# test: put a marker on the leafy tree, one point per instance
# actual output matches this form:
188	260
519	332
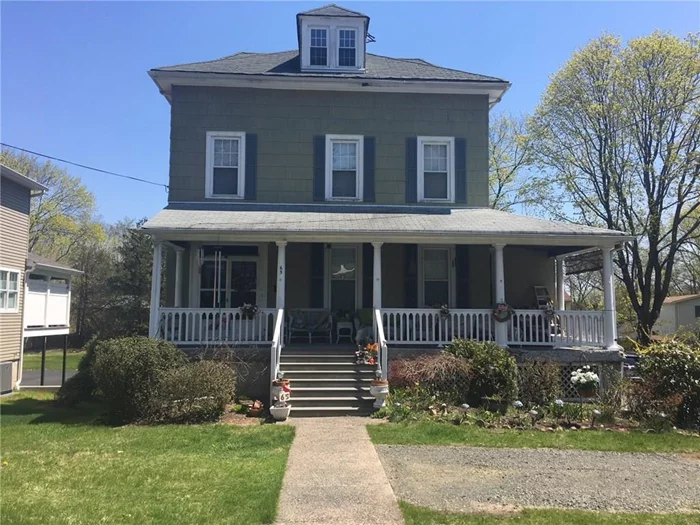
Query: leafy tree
61	218
618	132
509	156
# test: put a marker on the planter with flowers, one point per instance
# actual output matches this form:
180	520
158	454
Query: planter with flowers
248	311
586	381
367	354
502	312
281	393
379	388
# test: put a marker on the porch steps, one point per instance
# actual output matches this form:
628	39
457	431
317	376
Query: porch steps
327	382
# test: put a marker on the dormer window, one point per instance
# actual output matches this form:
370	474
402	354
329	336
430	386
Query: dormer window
347	48
318	50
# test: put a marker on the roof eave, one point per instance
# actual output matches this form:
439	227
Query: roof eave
35	187
166	79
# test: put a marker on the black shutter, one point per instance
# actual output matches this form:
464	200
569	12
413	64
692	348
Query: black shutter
410	276
462	263
367	275
412	169
368	183
460	171
316	284
251	165
319	168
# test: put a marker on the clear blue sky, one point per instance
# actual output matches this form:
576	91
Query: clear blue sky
74	82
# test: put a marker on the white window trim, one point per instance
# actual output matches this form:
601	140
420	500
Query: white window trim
19	290
209	178
452	274
329	47
337	47
450	142
359	181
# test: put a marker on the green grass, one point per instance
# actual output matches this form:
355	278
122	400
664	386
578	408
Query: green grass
62	466
430	433
54	360
421	516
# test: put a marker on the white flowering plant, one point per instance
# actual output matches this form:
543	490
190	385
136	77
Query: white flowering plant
584	378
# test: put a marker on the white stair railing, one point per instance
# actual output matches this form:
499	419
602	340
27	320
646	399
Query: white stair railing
277	342
382	348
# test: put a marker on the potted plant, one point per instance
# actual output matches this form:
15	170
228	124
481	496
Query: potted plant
586	381
379	388
248	310
502	312
367	354
443	310
280	410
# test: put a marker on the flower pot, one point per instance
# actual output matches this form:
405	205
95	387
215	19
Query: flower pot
379	389
280	413
587	391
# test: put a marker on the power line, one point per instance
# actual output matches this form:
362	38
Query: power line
86	167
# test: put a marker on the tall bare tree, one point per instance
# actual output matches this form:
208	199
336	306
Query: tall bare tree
618	131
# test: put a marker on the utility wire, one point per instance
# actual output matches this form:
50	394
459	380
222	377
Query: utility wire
86	167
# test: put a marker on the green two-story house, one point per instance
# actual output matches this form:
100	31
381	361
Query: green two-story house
326	180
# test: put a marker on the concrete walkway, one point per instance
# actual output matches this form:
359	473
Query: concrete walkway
334	476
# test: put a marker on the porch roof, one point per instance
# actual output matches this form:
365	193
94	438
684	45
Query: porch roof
370	222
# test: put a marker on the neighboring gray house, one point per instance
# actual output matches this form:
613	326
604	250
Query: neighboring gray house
678	311
328	179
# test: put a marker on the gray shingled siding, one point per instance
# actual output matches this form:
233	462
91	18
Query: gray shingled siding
286	121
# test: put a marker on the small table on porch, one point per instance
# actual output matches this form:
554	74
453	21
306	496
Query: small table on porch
344	329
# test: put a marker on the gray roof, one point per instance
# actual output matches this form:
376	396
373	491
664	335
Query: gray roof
286	64
356	219
34	260
22	180
332	10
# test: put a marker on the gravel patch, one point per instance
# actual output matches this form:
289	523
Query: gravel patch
472	479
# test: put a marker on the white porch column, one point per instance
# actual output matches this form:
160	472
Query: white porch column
561	294
609	321
501	328
377	273
155	289
281	271
178	278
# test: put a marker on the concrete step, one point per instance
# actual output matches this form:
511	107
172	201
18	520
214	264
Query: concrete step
330	391
339	402
330	411
332	382
329	373
320	365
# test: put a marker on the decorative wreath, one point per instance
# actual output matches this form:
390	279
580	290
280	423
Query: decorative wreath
502	312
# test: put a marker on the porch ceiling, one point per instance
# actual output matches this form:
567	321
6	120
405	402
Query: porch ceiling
191	221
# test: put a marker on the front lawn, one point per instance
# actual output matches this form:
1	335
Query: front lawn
431	433
421	516
63	466
54	360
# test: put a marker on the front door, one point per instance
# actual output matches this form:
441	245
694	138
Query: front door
228	282
344	278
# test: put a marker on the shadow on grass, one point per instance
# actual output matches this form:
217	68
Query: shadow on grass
46	411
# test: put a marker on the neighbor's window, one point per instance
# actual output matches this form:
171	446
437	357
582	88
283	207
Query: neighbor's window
436	277
346	48
225	176
435	169
344	154
9	291
318	51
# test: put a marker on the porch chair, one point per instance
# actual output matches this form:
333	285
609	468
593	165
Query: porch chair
309	323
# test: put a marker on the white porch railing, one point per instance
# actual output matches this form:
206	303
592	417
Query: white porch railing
195	326
47	304
428	326
525	328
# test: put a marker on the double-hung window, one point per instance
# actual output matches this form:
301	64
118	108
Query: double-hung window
344	161
347	48
225	169
9	291
318	50
436	169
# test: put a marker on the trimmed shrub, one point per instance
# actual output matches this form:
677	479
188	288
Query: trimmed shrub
442	375
671	374
493	370
127	371
193	393
539	383
81	386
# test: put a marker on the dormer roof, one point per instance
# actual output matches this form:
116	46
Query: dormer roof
333	10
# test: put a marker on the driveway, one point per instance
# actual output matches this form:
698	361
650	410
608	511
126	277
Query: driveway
469	479
51	377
